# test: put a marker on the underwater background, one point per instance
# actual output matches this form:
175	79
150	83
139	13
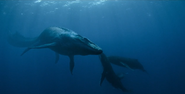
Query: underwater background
152	31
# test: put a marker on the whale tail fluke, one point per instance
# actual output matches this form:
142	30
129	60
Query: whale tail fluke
19	40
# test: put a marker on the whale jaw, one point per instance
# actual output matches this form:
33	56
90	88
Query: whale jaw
88	47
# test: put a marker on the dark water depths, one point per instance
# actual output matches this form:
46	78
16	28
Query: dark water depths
150	31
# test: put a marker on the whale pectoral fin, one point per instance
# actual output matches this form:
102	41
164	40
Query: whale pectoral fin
71	63
102	77
57	57
126	66
27	49
39	47
43	46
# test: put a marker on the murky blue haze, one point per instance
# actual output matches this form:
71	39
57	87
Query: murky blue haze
151	31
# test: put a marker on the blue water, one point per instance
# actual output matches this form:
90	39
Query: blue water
150	31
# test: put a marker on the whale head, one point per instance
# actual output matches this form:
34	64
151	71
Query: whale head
72	43
88	46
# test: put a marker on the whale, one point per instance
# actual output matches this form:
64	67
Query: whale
62	41
110	75
126	62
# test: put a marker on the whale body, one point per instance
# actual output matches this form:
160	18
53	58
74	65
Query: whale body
126	62
62	41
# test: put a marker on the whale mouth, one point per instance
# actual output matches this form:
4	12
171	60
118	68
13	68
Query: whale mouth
90	45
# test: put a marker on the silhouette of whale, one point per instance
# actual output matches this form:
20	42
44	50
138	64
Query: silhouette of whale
110	75
61	40
126	62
